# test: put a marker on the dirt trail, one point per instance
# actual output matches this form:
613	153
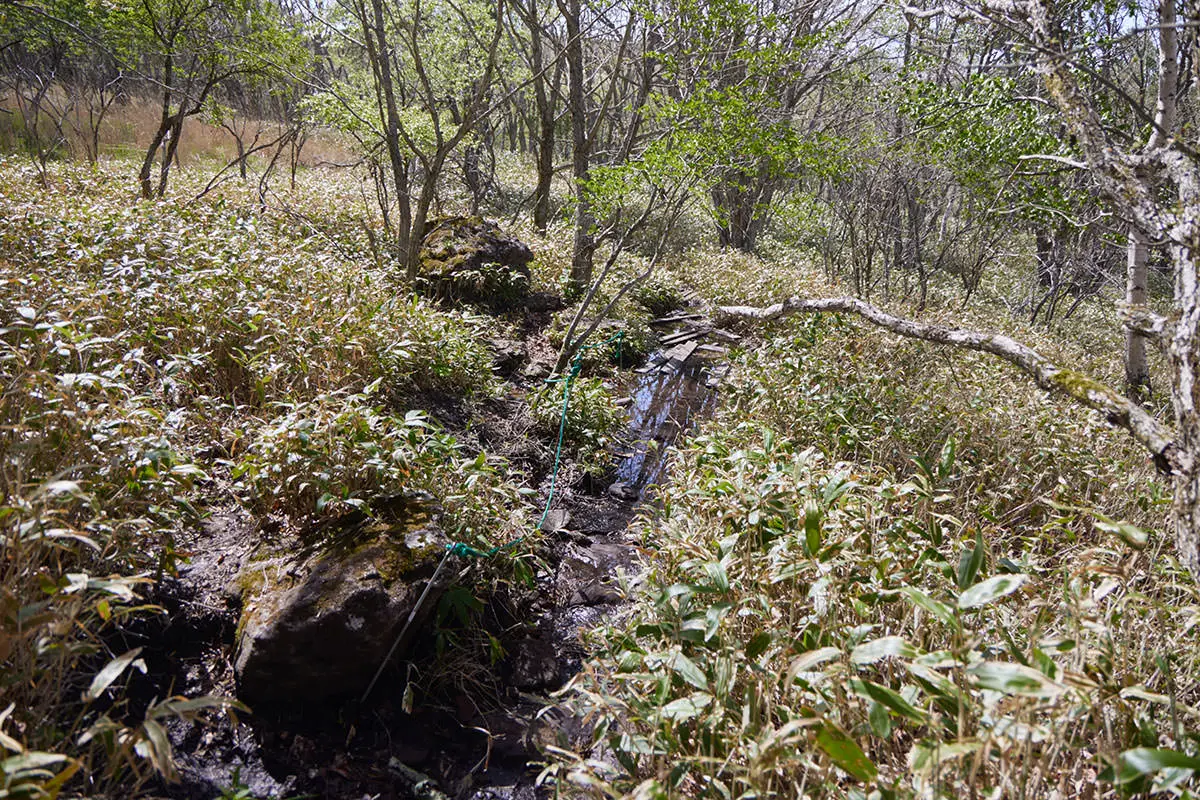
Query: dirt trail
481	746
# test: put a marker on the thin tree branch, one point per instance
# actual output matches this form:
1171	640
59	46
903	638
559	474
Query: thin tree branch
1168	456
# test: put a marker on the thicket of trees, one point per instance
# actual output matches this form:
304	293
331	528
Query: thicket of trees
906	144
901	142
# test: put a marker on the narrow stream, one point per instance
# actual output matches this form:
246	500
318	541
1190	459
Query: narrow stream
664	407
479	744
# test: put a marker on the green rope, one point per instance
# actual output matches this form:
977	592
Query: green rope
465	550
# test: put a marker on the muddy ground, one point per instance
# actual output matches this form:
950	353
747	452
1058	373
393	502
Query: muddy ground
480	736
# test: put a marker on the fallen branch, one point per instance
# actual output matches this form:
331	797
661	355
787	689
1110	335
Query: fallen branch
1169	457
1144	321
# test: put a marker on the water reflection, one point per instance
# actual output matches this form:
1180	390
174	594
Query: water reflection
664	406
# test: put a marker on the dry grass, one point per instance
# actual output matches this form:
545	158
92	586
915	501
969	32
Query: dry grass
129	126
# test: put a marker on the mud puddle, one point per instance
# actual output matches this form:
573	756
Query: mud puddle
664	406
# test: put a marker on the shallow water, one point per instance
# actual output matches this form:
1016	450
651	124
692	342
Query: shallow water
664	407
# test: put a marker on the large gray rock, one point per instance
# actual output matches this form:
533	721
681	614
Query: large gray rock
318	623
472	259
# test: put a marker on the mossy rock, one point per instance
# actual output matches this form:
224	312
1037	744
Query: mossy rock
316	623
469	259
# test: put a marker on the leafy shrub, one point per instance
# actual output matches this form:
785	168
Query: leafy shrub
148	351
809	624
659	295
493	286
441	351
604	350
339	452
592	420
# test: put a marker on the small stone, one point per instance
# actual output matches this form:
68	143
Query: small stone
556	520
623	491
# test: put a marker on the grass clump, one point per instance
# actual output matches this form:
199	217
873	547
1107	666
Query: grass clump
659	295
591	416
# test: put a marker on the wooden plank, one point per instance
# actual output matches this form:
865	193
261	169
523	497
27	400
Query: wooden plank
715	349
676	356
725	335
674	318
653	363
684	336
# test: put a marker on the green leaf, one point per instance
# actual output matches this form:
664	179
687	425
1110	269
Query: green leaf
717	574
686	708
1133	764
758	644
805	662
971	562
879	649
927	603
889	698
881	723
812	527
924	756
993	588
946	462
845	752
26	762
156	748
186	708
1132	535
685	668
835	487
1018	679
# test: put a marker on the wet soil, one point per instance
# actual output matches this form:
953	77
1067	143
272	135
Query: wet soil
482	739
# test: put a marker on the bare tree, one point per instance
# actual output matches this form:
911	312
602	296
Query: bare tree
425	106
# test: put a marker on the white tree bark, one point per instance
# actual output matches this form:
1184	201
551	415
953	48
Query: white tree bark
1137	373
1157	438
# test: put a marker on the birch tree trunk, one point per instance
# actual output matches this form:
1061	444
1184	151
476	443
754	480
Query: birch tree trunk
1137	371
1137	374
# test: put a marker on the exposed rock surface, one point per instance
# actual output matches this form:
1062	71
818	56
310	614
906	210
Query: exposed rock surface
471	259
317	623
507	355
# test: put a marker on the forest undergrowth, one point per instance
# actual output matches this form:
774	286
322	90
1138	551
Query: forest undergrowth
157	362
882	570
886	569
